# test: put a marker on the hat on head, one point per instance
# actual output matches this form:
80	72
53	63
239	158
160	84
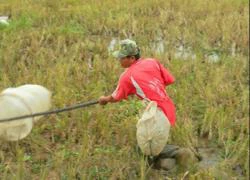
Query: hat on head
127	48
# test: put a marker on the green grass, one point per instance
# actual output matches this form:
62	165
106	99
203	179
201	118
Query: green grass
50	42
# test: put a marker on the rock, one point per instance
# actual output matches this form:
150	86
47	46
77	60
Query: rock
164	164
167	164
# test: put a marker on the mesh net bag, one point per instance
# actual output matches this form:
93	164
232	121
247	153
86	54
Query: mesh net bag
152	130
23	100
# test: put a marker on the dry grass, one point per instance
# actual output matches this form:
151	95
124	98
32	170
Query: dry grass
51	43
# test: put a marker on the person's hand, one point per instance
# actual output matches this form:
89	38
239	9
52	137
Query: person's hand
103	100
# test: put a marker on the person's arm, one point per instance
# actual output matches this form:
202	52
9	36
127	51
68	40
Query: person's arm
121	92
167	76
103	100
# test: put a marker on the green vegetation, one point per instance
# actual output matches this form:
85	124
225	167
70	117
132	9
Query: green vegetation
52	43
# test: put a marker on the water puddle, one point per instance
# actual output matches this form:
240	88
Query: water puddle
213	57
180	51
184	53
112	45
233	49
210	157
158	45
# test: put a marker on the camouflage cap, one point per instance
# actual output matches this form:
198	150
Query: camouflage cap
127	48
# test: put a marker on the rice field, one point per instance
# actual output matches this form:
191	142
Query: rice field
65	45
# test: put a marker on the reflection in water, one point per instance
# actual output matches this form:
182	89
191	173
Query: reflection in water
180	52
158	45
213	57
233	49
184	53
112	44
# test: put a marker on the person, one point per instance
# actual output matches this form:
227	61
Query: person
147	79
143	77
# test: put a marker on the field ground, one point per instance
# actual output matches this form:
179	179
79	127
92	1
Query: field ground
64	46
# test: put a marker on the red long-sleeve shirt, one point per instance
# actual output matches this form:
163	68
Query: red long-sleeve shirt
147	78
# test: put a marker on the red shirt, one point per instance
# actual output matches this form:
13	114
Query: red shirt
147	78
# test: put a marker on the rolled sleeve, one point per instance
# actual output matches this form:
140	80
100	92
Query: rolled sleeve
123	89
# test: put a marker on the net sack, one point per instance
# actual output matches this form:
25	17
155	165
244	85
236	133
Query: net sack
23	100
152	130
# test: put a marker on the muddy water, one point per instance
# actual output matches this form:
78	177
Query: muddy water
210	157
